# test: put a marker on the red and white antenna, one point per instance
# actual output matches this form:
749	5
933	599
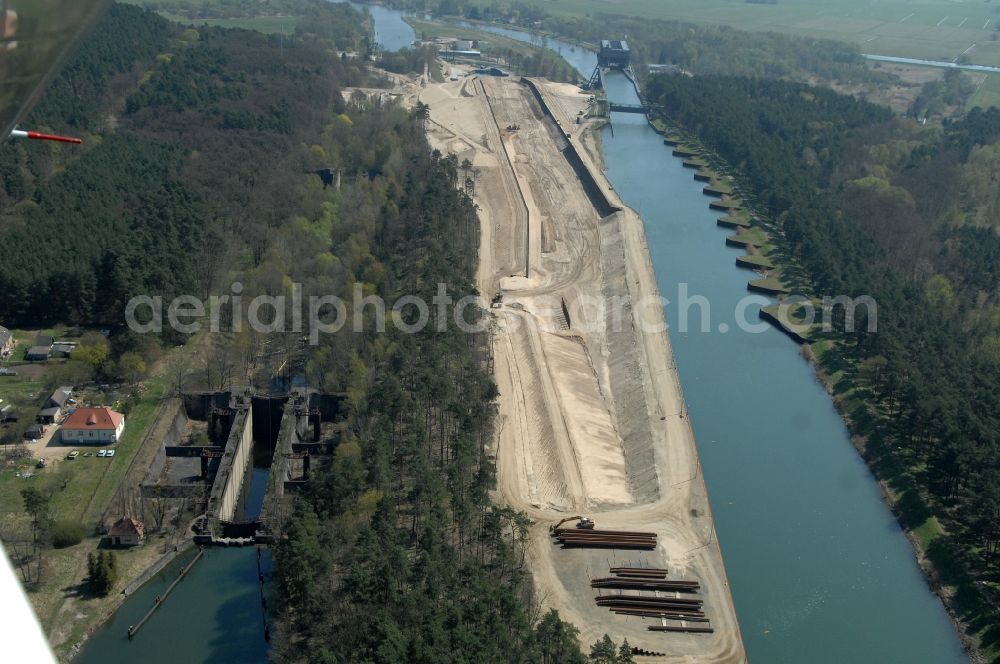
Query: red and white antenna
36	136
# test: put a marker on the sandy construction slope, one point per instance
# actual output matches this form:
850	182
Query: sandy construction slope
591	411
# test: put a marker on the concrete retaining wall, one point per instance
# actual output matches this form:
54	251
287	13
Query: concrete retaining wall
595	192
156	568
270	514
267	420
329	405
228	483
177	427
197	405
791	332
156	467
632	419
186	451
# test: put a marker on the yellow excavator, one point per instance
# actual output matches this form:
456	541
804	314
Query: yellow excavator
584	523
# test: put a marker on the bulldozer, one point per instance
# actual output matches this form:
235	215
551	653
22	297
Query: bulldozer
584	523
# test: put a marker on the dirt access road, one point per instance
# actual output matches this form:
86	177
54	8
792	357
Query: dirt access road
591	411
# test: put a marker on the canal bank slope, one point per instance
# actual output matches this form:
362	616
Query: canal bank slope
591	414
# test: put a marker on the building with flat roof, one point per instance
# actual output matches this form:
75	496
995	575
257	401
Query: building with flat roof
453	54
614	54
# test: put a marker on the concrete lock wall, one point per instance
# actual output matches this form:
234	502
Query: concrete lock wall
225	495
198	405
241	461
287	437
177	427
328	404
267	412
156	467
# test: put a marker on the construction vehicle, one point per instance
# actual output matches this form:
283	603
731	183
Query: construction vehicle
584	523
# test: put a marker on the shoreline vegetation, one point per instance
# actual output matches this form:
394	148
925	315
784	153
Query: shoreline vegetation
938	569
767	257
942	567
366	497
753	230
690	149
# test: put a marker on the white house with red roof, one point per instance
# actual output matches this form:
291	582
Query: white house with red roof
98	426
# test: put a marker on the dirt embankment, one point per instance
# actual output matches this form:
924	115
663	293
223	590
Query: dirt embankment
591	415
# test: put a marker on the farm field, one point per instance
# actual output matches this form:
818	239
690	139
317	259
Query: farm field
988	93
929	29
266	24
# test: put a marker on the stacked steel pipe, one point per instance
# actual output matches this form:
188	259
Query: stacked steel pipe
640	572
620	583
691	629
674	606
608	539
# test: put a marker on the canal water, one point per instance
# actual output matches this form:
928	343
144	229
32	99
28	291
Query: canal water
582	59
391	31
820	570
213	615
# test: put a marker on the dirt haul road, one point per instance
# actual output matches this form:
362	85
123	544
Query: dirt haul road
591	411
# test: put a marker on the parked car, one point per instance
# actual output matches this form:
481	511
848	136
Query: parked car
110	453
72	455
102	453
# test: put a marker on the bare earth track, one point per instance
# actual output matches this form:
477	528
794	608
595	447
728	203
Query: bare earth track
591	411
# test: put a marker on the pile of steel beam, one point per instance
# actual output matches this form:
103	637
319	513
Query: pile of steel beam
642	652
628	583
690	629
640	572
607	539
657	597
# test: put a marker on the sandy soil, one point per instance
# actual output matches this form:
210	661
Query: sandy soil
591	411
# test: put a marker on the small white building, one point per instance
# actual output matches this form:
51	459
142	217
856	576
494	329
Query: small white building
95	426
126	532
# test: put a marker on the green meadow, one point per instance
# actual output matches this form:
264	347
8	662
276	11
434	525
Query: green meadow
929	29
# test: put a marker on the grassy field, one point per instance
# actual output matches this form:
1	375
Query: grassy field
266	24
929	29
988	92
88	491
94	479
175	10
